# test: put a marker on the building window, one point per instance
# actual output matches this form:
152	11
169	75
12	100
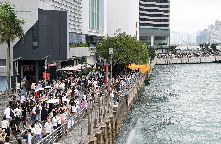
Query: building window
2	62
35	37
160	38
95	14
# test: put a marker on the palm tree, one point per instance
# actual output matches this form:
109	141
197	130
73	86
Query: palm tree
10	28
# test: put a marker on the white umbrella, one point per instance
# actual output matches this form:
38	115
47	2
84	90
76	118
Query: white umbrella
47	87
41	89
53	101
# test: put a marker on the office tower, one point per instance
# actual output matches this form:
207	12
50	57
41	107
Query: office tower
155	22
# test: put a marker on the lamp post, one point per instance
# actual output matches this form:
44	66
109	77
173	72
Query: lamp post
16	78
111	52
46	58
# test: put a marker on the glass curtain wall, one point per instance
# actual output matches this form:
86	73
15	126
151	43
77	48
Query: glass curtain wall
95	14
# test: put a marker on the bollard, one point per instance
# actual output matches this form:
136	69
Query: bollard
103	126
92	140
112	127
98	136
107	130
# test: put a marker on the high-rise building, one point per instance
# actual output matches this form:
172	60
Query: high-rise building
217	25
123	16
155	22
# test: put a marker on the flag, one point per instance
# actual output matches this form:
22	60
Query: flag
23	81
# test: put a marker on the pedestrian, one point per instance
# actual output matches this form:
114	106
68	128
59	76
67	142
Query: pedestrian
7	140
13	127
29	137
43	113
48	127
54	122
7	113
38	130
5	125
59	124
19	141
17	112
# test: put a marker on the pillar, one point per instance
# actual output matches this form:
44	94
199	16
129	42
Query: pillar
107	130
22	72
168	40
37	71
103	126
152	40
111	128
98	135
92	140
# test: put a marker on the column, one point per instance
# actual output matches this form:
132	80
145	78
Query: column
37	71
152	40
22	74
168	40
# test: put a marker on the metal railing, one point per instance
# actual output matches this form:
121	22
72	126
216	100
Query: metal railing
64	128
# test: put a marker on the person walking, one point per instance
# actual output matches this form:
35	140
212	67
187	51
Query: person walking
5	126
13	127
17	112
7	113
29	137
59	124
38	130
48	127
54	122
43	113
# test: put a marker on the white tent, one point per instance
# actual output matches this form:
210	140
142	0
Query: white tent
53	101
77	67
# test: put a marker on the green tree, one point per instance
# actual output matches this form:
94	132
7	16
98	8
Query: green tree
10	28
152	52
127	49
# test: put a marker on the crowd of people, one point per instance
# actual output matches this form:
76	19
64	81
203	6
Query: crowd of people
50	108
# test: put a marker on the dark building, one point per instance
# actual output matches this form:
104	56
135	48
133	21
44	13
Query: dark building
48	36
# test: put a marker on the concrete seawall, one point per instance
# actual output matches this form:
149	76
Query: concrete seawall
192	60
106	132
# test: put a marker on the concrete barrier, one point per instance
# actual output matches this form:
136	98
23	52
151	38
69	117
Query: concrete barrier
192	60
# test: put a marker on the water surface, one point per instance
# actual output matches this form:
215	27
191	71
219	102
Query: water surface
182	105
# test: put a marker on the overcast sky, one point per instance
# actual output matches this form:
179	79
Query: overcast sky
189	16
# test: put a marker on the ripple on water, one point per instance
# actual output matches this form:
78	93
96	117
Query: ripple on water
182	105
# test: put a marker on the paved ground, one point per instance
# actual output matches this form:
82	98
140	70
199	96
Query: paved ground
75	136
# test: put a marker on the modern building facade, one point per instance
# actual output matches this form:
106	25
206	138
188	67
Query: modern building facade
123	16
46	33
155	22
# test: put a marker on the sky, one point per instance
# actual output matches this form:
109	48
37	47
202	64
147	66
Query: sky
189	16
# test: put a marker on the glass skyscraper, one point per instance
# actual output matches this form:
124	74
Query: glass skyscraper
155	22
94	14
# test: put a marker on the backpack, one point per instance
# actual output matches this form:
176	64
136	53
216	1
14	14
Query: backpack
11	113
37	110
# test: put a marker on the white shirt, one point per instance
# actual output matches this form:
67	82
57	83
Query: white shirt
59	119
85	97
7	112
17	112
34	109
48	127
38	128
22	99
29	138
74	109
63	98
54	121
4	124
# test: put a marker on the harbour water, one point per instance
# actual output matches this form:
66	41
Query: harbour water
182	105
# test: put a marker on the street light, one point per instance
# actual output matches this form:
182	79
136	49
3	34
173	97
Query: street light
45	66
16	68
111	52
